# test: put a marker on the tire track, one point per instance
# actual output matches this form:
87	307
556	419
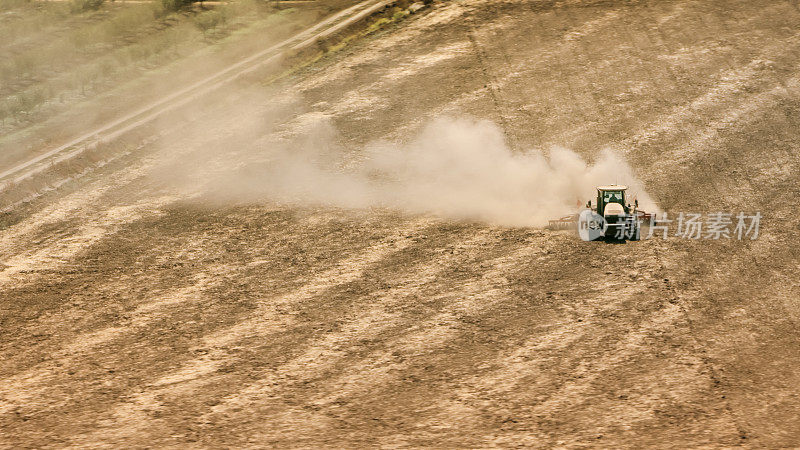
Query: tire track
20	389
379	368
271	316
60	252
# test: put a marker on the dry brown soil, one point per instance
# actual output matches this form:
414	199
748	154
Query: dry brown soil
135	314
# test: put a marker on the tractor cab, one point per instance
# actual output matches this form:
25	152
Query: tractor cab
611	194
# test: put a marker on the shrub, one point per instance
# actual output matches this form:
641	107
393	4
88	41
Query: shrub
128	21
10	4
398	14
208	20
174	5
78	6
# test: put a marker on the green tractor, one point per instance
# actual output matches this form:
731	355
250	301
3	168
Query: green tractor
614	215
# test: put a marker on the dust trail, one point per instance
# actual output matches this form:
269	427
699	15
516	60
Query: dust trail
456	168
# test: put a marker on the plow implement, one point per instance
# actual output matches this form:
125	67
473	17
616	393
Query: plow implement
567	222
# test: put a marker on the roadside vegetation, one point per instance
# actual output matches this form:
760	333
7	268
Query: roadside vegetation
53	54
327	46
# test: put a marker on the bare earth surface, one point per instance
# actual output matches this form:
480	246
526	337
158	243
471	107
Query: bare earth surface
134	313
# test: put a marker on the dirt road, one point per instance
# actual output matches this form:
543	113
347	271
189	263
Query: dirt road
135	312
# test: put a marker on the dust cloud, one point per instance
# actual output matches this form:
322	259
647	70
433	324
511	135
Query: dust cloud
455	168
